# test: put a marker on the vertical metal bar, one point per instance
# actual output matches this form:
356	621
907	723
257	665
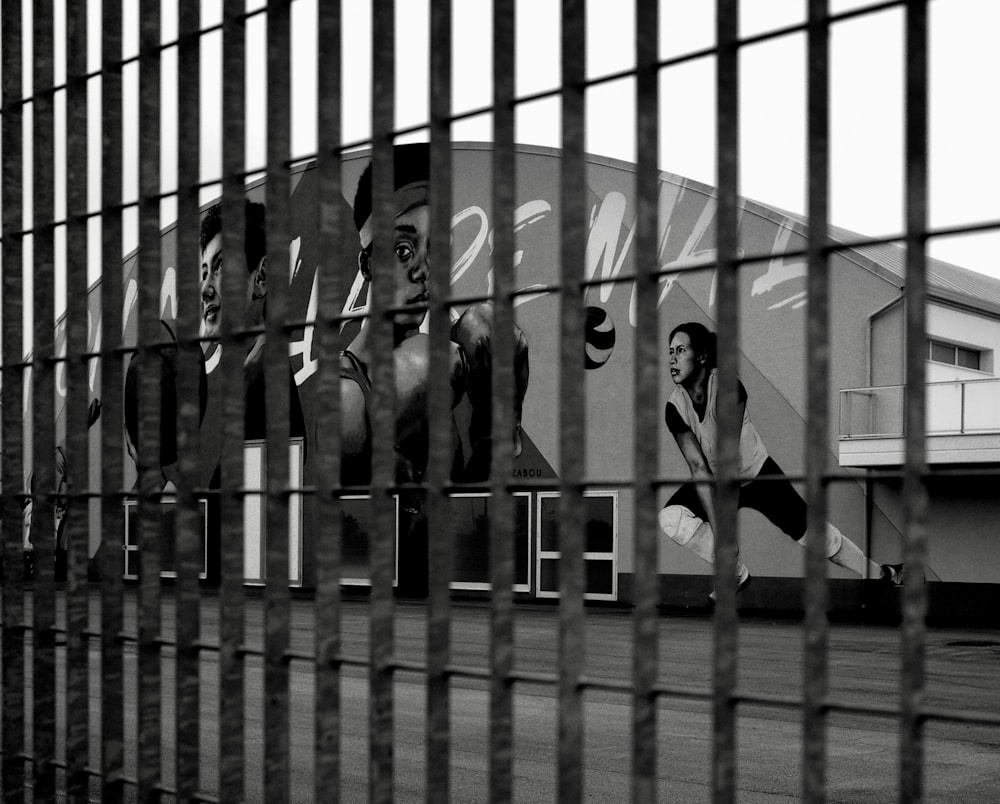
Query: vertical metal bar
276	377
380	771
189	526
232	785
76	455
818	407
726	547
501	548
43	403
332	227
42	410
911	766
647	380
11	393
572	220
439	534
112	385
151	479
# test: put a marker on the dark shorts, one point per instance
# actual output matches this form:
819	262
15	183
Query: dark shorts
770	493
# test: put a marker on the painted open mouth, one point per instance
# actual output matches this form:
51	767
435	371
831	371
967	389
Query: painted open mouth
211	313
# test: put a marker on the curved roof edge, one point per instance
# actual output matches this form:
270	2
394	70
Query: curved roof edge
946	282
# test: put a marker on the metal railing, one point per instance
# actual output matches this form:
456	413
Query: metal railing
953	407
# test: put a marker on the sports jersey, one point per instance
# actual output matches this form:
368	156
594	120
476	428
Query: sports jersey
681	415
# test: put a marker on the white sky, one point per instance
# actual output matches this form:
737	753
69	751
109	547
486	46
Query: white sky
867	159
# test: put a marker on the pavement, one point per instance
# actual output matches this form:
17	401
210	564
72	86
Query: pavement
962	674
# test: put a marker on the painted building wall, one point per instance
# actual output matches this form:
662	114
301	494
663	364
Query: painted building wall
888	346
773	357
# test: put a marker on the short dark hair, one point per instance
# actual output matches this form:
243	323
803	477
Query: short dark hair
211	225
411	162
702	340
254	237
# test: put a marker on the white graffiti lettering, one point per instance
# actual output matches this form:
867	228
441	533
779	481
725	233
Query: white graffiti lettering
294	261
95	338
131	295
779	271
463	263
304	345
357	300
606	222
61	365
168	295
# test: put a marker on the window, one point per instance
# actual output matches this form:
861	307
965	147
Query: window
469	513
600	555
953	355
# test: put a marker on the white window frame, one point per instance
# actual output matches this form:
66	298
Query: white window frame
255	511
475	586
132	546
351	581
550	555
128	546
932	341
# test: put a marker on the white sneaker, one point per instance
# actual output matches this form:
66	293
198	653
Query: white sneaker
742	582
893	574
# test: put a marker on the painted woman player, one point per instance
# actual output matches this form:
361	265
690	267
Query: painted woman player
688	516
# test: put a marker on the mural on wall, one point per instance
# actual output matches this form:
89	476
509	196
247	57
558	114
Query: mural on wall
772	360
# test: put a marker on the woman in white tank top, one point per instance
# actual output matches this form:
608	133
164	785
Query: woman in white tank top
689	514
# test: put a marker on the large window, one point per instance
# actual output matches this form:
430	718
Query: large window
953	354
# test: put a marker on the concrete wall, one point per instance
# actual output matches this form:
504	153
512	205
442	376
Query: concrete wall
888	342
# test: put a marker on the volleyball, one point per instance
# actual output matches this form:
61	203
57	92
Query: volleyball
599	337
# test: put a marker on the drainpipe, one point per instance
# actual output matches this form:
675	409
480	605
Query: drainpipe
869	484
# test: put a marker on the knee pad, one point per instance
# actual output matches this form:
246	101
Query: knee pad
679	523
834	539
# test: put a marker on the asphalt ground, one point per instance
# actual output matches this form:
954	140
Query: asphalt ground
962	673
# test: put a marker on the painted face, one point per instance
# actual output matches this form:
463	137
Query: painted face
684	364
211	287
411	247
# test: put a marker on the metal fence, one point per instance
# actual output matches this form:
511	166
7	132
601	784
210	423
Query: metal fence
87	738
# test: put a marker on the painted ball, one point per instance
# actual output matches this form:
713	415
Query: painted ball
599	337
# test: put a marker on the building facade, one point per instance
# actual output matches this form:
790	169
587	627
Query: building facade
867	387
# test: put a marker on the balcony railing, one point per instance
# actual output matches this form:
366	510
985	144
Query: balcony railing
953	407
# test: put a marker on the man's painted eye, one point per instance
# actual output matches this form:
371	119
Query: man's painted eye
404	251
